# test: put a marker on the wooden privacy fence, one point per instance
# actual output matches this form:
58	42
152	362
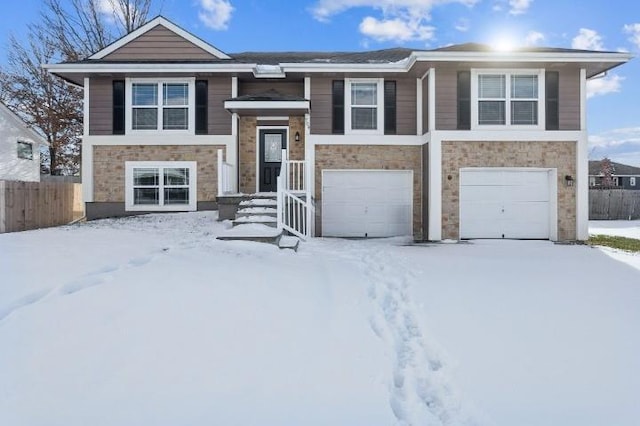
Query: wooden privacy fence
32	205
614	204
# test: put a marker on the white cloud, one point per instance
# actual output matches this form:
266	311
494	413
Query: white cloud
620	145
634	30
587	40
462	25
400	20
518	7
604	85
395	29
215	14
533	38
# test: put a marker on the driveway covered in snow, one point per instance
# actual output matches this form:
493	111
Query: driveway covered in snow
150	320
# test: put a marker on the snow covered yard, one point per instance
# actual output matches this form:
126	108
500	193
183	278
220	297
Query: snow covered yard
150	320
618	228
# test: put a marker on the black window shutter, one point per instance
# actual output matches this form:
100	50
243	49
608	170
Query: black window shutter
118	107
464	100
552	95
202	95
337	107
389	107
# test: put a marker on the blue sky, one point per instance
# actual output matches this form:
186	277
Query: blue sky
242	25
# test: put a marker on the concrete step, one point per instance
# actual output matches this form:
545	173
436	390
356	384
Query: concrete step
259	202
263	219
257	232
257	211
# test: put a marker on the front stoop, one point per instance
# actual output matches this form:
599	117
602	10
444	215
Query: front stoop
256	220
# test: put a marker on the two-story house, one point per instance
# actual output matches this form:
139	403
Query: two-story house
450	143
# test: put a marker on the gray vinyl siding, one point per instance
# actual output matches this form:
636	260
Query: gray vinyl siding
569	99
446	97
321	105
292	88
159	43
100	106
406	99
219	119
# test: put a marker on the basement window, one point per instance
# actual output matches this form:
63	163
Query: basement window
158	186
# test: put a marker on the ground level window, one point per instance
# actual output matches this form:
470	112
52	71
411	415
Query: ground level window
632	181
25	150
167	186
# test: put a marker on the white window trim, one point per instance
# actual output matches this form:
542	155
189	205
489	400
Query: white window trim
475	73
191	81
632	181
193	190
380	106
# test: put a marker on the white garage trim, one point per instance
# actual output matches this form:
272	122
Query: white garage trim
500	193
343	218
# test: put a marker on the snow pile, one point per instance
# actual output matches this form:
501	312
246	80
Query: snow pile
151	320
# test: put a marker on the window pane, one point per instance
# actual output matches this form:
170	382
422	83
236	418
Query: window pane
145	177
176	176
176	94
491	86
364	94
144	94
272	148
175	118
491	112
524	112
146	196
145	118
176	196
364	118
25	150
524	86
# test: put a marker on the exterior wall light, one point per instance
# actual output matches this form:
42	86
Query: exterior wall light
568	179
297	137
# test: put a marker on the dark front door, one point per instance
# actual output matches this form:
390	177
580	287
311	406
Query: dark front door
272	142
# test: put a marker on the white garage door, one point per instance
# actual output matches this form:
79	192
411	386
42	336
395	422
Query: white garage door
506	203
366	203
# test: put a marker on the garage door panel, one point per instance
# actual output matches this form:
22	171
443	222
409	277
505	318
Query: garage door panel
504	203
374	203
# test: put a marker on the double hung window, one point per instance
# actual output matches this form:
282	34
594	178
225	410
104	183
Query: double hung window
161	105
160	186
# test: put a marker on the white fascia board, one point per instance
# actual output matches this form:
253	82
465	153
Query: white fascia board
158	138
149	26
356	139
355	68
105	67
522	56
510	135
266	104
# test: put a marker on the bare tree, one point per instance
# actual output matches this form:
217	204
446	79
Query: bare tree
46	103
607	171
69	30
83	27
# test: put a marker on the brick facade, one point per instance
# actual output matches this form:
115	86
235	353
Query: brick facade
372	157
109	167
559	155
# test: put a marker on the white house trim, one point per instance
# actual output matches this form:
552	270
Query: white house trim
571	56
582	166
379	106
170	139
87	171
357	139
191	81
85	107
435	188
156	68
151	25
256	105
476	73
431	110
510	135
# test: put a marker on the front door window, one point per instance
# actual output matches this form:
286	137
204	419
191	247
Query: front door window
272	148
272	142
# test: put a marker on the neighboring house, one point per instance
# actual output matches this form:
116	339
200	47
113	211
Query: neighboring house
19	148
450	143
623	176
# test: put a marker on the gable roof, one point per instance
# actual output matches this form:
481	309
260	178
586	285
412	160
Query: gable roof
155	22
619	169
19	123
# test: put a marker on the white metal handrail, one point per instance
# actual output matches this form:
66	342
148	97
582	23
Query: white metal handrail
294	203
225	175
